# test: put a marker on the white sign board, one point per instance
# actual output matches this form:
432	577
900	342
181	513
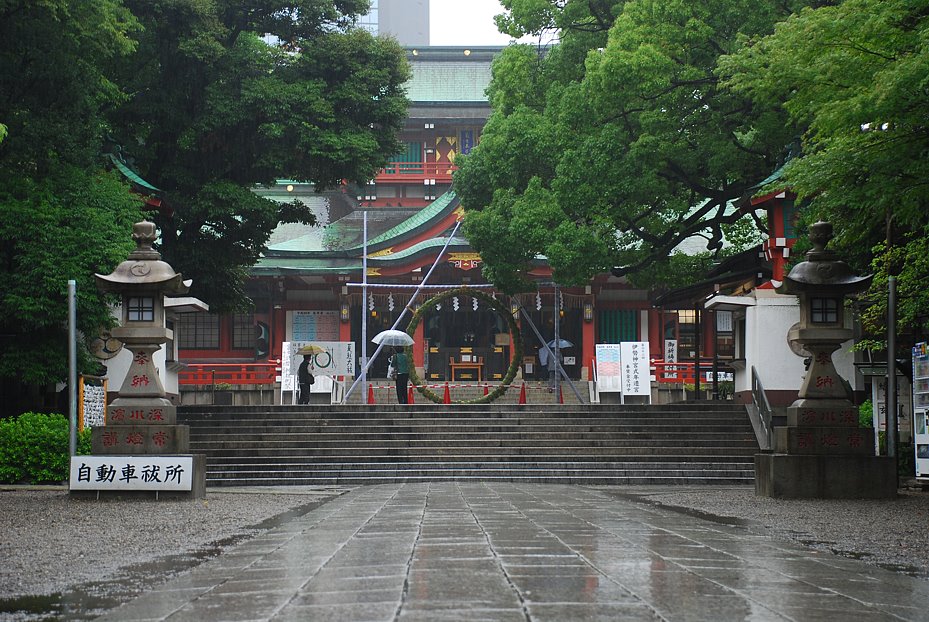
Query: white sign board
132	472
336	359
609	378
724	321
670	355
635	368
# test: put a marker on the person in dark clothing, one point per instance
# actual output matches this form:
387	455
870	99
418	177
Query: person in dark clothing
401	364
305	378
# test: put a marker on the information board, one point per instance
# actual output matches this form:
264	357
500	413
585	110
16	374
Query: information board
336	359
609	377
635	368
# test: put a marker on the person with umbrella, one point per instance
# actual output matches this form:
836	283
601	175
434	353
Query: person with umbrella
400	364
304	375
305	378
552	363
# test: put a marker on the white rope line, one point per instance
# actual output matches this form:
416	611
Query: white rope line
411	286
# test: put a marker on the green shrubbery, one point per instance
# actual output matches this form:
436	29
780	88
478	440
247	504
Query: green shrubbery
34	448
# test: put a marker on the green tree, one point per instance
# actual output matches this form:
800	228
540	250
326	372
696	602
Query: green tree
61	216
854	78
215	110
621	134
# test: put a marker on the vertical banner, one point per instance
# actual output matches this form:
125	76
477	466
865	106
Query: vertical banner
635	371
670	356
609	378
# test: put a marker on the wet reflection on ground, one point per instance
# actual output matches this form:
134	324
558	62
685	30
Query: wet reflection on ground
505	551
90	600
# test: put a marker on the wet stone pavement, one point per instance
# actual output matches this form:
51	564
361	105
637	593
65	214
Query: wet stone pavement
503	551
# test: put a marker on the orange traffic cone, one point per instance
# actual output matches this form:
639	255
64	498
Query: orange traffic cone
409	395
371	394
448	397
522	394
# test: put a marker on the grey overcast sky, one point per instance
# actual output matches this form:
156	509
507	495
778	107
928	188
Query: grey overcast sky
464	22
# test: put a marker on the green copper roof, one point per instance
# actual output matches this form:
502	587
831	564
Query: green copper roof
455	81
131	175
426	214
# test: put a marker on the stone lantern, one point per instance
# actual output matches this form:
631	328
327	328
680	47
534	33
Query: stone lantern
141	421
823	452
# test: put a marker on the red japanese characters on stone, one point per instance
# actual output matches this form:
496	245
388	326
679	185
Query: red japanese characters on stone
134	438
156	414
159	438
138	381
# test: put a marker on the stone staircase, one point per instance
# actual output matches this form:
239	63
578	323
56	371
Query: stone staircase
686	443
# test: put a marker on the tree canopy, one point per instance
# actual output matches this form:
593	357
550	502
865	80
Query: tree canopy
213	110
855	78
607	150
204	100
61	216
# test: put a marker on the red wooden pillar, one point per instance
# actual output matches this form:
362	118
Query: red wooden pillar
419	355
655	340
589	338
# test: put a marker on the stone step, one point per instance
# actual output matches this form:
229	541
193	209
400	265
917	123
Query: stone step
323	444
359	453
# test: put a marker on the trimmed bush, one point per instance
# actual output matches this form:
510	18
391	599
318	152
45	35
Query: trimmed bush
34	448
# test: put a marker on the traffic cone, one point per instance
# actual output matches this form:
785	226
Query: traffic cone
409	395
522	394
448	397
371	394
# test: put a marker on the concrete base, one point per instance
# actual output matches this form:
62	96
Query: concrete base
825	477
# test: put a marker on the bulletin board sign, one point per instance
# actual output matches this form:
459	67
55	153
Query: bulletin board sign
636	379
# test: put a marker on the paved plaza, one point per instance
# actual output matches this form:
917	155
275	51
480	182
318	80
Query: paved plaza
506	551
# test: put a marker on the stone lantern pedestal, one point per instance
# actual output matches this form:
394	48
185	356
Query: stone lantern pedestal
141	447
822	452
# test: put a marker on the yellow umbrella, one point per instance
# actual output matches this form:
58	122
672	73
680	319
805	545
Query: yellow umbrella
311	349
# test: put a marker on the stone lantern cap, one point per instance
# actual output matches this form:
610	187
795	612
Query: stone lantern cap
143	270
823	273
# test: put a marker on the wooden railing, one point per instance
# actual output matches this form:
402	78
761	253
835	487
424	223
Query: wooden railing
205	374
403	171
683	372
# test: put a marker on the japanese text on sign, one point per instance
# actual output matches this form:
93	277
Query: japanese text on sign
635	368
131	472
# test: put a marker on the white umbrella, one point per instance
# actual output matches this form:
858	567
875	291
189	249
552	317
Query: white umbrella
393	338
562	344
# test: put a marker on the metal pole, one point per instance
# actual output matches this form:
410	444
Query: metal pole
892	367
715	321
557	345
364	310
72	365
